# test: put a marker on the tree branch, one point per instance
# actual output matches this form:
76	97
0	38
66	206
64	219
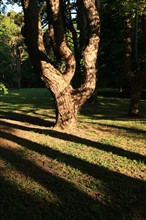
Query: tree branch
60	40
90	52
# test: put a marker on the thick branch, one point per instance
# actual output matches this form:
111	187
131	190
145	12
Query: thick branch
34	40
60	39
52	78
90	52
32	33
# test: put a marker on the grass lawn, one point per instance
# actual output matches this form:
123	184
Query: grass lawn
97	171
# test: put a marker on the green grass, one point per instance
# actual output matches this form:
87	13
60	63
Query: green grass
97	171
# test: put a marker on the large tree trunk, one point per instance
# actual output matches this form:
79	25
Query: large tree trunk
66	115
67	100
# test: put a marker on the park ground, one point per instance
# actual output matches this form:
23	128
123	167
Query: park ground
97	171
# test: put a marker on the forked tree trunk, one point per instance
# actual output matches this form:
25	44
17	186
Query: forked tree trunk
66	115
67	100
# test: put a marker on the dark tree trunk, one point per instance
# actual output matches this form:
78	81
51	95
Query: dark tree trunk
82	24
18	68
128	49
144	32
136	89
17	65
136	79
67	100
144	44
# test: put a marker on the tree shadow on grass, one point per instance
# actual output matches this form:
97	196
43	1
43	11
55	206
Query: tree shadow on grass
111	109
139	133
27	118
16	203
131	130
72	138
127	195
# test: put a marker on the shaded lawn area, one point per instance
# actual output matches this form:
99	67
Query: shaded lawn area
97	171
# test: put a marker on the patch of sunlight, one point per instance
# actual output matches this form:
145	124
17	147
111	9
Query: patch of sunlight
125	123
15	94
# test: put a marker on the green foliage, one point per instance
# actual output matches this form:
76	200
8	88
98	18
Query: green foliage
12	51
3	88
6	59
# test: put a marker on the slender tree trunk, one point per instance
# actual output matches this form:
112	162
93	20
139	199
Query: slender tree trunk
136	59
136	79
67	100
76	82
82	24
128	49
144	44
17	65
136	89
18	68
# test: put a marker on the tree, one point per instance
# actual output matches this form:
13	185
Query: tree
68	100
134	17
110	60
16	43
122	49
12	46
6	59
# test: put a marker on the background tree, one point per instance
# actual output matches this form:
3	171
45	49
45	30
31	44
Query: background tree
121	55
6	59
134	52
11	49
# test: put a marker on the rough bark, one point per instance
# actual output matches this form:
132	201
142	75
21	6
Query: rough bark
76	82
90	53
67	99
